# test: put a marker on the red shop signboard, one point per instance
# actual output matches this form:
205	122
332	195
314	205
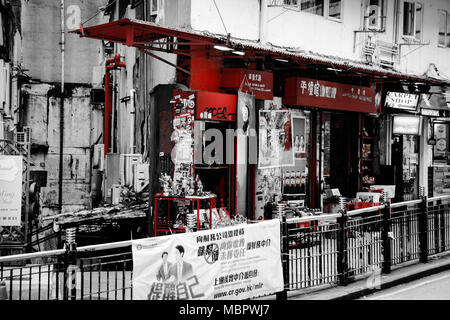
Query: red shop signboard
329	95
215	106
260	83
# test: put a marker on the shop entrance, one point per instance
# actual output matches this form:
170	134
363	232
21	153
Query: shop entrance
405	159
343	173
217	177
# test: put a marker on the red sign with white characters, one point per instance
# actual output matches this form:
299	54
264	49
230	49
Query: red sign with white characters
259	83
329	95
215	106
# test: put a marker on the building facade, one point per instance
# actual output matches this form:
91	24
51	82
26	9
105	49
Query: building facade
405	37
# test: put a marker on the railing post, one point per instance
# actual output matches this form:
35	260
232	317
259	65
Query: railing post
423	230
443	226
70	266
342	246
387	238
285	258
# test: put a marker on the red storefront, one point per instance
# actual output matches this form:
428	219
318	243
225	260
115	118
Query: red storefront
342	137
234	85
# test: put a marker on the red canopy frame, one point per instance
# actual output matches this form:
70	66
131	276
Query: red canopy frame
148	36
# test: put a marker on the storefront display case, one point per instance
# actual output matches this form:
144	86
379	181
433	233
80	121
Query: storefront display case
187	217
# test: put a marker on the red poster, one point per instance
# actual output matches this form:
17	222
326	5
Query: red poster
258	83
215	106
329	95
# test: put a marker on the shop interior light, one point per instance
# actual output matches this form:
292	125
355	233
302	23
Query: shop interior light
222	48
281	60
334	69
239	53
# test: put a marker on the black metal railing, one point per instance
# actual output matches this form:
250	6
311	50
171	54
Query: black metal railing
319	250
352	245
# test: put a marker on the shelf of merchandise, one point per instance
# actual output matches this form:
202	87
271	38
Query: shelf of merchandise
366	140
195	200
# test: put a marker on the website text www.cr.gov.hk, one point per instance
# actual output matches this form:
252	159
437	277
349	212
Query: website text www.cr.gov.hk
236	292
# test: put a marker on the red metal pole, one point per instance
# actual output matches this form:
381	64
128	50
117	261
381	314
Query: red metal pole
111	64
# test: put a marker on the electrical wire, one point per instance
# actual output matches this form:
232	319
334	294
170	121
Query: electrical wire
220	15
100	10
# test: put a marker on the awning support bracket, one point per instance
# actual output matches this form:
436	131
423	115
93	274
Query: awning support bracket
165	61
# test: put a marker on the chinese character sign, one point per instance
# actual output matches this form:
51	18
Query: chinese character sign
239	262
10	190
329	95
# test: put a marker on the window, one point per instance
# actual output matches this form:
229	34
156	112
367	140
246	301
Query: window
329	8
312	6
412	19
334	9
444	28
153	10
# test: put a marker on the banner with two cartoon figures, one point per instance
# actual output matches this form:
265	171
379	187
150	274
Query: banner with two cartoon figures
232	263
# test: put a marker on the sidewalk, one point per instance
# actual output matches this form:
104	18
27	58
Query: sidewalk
373	283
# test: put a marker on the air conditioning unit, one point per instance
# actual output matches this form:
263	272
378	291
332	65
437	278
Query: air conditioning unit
112	174
369	50
386	53
116	193
141	176
373	18
126	168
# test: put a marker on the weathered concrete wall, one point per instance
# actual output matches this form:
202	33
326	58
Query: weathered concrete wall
42	114
41	31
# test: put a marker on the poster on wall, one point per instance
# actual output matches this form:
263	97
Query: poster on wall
441	136
183	133
275	139
299	129
233	263
10	190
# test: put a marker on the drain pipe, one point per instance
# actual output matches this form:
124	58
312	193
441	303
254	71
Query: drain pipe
132	120
111	64
262	21
61	116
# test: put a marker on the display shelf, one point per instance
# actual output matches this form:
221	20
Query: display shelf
195	201
367	149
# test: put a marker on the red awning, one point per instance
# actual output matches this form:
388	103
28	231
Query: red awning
136	33
149	36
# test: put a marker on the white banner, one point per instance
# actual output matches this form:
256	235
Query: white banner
239	262
10	190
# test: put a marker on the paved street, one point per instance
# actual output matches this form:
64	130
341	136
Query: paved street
435	287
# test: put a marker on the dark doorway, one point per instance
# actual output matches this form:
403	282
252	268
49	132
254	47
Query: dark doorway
344	148
405	159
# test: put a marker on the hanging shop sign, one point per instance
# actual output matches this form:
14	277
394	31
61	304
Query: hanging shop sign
409	125
258	83
239	262
401	100
215	106
430	113
10	190
329	95
441	135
